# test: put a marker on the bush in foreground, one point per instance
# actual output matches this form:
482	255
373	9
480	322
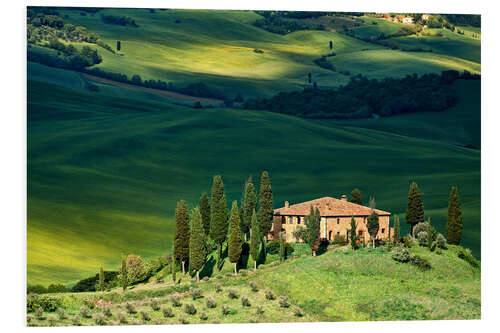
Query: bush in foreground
283	301
190	309
211	303
269	295
420	262
167	312
401	254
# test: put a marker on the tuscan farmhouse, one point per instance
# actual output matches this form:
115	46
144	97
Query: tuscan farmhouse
335	219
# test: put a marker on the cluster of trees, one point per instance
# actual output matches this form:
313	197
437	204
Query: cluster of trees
67	57
40	289
418	225
211	225
363	97
284	22
464	19
119	20
42	28
198	89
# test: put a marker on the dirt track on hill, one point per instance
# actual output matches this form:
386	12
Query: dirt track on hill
166	93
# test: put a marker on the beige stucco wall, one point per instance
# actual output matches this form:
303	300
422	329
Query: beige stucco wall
330	226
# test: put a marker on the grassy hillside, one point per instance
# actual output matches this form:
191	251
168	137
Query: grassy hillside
104	173
217	47
340	285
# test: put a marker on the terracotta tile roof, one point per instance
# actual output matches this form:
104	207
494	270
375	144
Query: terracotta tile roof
328	206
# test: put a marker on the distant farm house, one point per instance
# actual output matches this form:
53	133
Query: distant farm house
425	17
407	20
335	215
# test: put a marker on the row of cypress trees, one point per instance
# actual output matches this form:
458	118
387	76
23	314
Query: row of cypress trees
415	213
211	222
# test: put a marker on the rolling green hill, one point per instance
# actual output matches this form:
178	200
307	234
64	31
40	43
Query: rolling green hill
340	285
217	47
104	173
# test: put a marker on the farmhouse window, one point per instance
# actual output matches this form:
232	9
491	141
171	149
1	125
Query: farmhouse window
360	233
290	220
338	220
383	230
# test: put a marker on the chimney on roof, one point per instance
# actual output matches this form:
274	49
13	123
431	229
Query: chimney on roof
344	197
287	204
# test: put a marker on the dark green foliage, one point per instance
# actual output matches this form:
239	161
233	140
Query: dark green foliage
324	63
401	254
454	224
397	230
46	303
274	247
254	239
312	227
357	196
363	97
373	226
234	243
190	309
420	262
182	233
211	303
441	241
339	240
205	212
283	301
36	289
352	234
173	267
422	238
56	288
197	249
218	217
119	20
266	204
167	312
466	254
124	274
249	206
415	207
300	234
101	279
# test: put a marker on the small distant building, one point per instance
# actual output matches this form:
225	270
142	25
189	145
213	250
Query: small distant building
425	17
407	20
335	215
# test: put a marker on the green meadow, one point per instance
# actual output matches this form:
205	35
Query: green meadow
339	285
106	168
104	173
217	48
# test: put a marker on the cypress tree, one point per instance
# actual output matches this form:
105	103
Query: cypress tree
234	243
454	224
397	231
197	253
282	247
313	225
124	273
373	226
415	207
174	268
101	279
357	196
218	217
352	233
254	239
250	204
266	204
205	212
181	240
331	45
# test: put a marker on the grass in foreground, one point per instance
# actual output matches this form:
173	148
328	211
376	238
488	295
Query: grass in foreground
340	285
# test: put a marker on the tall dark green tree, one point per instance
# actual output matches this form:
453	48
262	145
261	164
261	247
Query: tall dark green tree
101	279
266	204
352	234
218	217
234	243
205	212
173	268
415	207
124	274
249	206
372	225
197	254
118	45
357	196
255	239
454	224
331	45
397	231
181	238
312	227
